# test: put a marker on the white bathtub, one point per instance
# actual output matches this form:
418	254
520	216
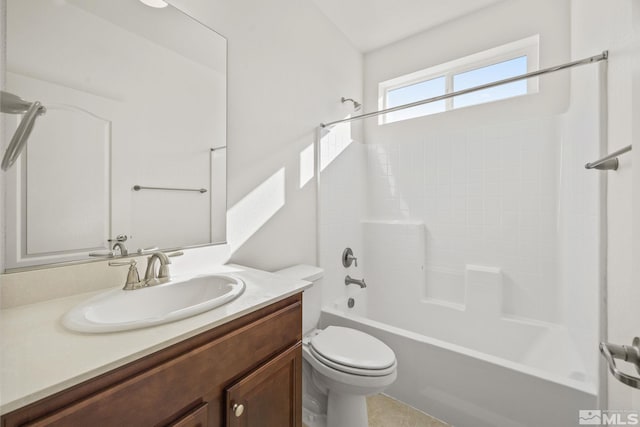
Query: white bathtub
498	372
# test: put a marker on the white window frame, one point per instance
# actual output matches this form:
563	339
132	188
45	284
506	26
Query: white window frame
528	47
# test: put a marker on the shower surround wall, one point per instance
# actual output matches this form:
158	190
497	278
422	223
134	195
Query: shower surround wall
487	210
494	188
488	199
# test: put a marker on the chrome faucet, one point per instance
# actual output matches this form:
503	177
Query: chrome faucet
122	247
150	278
119	244
163	275
348	280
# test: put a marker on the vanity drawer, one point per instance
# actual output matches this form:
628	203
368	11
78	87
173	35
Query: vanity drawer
183	382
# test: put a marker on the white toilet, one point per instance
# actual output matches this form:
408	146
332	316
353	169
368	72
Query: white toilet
342	366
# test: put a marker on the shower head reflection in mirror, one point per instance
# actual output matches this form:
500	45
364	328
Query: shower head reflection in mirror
12	104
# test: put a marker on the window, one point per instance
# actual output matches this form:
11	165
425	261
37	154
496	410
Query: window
485	67
416	92
488	74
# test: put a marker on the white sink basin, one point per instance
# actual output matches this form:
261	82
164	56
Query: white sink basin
119	310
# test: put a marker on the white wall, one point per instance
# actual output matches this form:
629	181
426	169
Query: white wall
3	61
626	320
616	26
288	66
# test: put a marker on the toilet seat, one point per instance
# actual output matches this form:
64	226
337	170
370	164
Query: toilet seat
352	351
351	370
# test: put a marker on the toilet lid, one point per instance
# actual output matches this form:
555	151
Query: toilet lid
352	348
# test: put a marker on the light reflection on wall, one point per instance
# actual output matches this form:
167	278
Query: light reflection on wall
333	141
247	216
307	166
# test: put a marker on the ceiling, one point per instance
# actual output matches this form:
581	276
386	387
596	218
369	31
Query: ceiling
370	24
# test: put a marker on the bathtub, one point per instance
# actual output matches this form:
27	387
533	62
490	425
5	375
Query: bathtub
498	372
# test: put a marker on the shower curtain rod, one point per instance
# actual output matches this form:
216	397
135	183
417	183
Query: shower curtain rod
602	57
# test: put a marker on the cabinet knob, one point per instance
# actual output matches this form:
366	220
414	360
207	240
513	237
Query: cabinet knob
238	409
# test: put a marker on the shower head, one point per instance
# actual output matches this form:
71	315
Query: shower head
356	104
12	104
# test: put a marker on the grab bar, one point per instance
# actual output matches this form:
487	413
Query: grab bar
140	187
629	354
609	162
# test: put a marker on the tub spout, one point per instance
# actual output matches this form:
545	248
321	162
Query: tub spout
348	280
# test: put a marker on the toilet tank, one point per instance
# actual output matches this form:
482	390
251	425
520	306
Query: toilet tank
311	297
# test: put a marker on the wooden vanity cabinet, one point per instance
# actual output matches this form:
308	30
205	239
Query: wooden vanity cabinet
244	373
269	395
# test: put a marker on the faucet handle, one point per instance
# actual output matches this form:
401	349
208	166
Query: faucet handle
105	254
348	258
122	263
133	277
119	238
175	254
144	251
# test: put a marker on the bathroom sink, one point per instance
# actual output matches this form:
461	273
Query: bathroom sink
120	310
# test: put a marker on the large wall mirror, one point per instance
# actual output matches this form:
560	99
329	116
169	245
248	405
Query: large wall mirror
133	141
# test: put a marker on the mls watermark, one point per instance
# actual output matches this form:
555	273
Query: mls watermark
595	417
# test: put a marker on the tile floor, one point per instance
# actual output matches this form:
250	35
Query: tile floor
387	412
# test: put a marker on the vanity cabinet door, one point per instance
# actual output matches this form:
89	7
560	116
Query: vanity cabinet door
269	396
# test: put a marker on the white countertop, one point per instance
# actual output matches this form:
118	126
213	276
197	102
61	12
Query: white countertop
40	357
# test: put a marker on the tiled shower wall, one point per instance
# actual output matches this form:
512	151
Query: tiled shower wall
487	197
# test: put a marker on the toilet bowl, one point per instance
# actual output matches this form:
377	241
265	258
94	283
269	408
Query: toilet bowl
347	365
341	365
